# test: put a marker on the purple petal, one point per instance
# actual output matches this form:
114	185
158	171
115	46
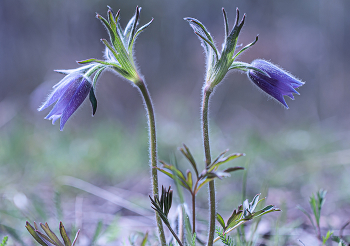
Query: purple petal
76	100
63	101
268	88
279	84
59	89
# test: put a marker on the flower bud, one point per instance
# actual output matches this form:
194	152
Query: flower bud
279	83
68	94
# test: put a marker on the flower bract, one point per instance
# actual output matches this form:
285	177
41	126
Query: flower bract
68	94
219	63
119	50
278	84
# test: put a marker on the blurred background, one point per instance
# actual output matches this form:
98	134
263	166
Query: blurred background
290	154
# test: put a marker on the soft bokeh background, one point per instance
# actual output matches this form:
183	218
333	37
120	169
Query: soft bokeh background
290	154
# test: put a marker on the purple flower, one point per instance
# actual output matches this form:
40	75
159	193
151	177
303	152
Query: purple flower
69	93
279	84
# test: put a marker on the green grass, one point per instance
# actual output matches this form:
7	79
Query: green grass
288	164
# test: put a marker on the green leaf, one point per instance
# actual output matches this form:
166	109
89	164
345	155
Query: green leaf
222	160
141	29
211	44
329	234
339	241
254	203
111	49
144	240
12	233
128	27
165	172
220	220
118	44
111	19
245	48
234	219
51	235
76	238
225	23
200	29
4	241
225	239
233	36
96	61
66	239
178	173
218	157
58	207
111	32
203	183
32	231
218	174
123	72
193	242
134	25
233	169
186	152
266	210
97	233
45	239
189	180
307	215
321	198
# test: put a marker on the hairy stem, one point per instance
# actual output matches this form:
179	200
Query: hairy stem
194	212
175	236
153	150
205	129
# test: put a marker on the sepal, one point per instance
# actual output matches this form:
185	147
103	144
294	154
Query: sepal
205	38
93	100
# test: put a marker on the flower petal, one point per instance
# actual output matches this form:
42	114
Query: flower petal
279	84
59	89
267	88
75	101
64	99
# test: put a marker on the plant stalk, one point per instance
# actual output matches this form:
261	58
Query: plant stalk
193	213
175	236
205	129
153	150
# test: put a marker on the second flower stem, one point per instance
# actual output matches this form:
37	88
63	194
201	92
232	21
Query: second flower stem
205	130
153	151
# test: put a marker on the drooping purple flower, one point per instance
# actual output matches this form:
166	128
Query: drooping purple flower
68	94
279	84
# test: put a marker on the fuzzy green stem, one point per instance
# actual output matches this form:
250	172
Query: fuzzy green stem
153	150
205	128
174	234
194	213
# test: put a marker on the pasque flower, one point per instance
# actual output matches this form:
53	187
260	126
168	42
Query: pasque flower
72	90
68	94
279	83
271	79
